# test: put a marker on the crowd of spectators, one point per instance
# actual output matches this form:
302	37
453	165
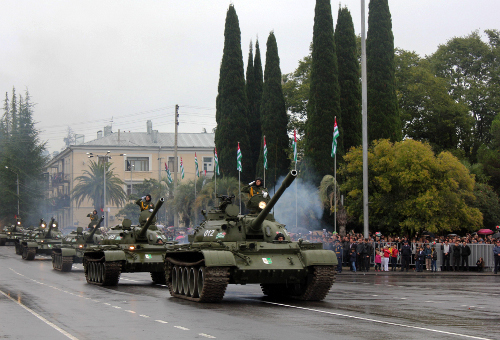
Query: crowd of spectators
391	253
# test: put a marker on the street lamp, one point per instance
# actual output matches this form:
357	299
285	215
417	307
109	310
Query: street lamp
17	181
106	157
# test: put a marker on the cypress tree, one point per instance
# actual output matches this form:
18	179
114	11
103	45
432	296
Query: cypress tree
259	83
350	87
323	104
253	112
383	114
273	117
231	104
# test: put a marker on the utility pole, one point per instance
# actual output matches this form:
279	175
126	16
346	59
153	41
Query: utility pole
176	218
364	109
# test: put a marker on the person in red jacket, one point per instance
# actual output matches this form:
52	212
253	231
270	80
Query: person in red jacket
394	257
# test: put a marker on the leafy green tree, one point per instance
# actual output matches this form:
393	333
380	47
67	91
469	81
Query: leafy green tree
296	88
489	156
21	159
184	200
411	189
428	111
383	114
349	75
225	186
488	202
472	68
231	104
324	97
273	117
90	186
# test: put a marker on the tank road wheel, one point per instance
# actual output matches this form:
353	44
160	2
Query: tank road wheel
212	283
193	282
175	279
3	241
159	278
317	284
185	281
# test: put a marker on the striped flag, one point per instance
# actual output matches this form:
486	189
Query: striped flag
196	165
216	163
265	153
335	136
169	176
238	159
182	169
294	145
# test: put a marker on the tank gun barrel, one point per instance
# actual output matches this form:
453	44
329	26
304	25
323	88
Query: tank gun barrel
142	233
263	214
47	234
96	227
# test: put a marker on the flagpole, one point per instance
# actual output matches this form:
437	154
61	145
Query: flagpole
335	192
296	189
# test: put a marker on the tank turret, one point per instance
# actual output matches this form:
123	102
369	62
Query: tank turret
90	236
268	205
149	219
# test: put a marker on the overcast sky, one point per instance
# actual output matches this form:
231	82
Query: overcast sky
91	63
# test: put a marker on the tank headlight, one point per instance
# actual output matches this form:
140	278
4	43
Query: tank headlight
262	204
43	225
18	223
53	225
131	248
80	246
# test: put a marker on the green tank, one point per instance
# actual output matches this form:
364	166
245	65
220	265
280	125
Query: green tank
12	233
29	233
245	249
73	246
41	243
128	249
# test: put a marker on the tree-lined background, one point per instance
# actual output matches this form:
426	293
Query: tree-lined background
433	126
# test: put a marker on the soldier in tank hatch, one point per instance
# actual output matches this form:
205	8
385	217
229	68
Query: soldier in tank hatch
254	188
145	203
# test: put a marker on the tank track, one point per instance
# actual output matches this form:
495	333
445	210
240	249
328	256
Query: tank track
3	241
319	284
19	250
29	253
159	278
100	273
214	282
62	263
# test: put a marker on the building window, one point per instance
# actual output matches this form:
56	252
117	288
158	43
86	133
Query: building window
208	164
171	164
131	190
137	164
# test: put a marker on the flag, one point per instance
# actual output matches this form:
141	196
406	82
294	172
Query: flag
196	165
294	145
265	153
335	136
238	159
169	176
182	169
205	173
216	163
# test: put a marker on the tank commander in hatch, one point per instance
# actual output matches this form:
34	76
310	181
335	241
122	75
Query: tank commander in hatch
93	219
254	188
145	203
279	237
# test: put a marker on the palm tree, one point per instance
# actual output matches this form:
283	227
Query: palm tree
90	186
326	194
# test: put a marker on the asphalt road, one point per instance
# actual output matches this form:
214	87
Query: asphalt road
37	302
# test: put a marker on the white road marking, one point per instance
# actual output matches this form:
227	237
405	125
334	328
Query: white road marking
377	321
183	328
130	311
207	336
161	321
144	316
57	328
375	295
117	307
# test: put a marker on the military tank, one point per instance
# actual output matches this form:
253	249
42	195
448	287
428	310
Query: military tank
10	234
42	243
73	246
229	248
29	233
128	249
